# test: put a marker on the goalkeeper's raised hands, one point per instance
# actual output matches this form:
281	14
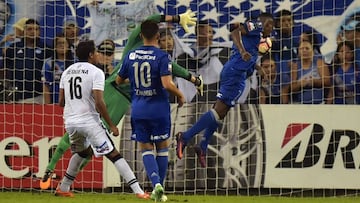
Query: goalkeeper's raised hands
187	19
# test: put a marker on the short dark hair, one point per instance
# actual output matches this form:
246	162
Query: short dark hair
313	39
267	56
106	47
200	24
149	28
84	48
266	15
281	13
31	21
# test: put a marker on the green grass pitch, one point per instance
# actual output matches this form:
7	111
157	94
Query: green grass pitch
47	197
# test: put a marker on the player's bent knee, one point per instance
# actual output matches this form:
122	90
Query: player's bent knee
114	156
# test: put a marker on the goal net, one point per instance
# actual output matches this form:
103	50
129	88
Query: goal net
263	146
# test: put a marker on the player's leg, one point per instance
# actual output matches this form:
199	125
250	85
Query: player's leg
162	160
231	87
81	150
61	148
120	164
142	129
125	171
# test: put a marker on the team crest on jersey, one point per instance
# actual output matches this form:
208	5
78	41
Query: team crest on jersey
132	56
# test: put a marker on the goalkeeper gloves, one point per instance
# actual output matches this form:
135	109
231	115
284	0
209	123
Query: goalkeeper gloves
187	19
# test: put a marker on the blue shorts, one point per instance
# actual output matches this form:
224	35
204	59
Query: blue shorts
150	130
232	82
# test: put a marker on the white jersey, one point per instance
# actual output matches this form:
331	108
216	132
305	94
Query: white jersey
78	81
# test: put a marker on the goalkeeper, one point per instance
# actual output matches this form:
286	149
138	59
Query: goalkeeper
117	98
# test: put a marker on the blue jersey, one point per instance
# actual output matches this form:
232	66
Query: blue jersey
24	66
52	71
250	42
347	86
144	67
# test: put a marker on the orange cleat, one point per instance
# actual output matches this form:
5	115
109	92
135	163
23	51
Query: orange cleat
180	145
144	195
60	193
201	156
46	180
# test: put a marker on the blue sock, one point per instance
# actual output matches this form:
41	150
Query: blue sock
162	162
207	120
151	166
207	136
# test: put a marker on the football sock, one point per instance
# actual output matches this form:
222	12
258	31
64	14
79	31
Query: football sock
63	145
151	167
125	171
206	120
207	136
162	162
71	172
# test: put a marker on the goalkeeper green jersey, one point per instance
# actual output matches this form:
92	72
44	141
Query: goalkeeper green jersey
117	98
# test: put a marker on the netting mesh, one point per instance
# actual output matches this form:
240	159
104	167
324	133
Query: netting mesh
310	63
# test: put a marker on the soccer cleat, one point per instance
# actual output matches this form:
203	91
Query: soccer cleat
163	198
46	180
157	193
60	193
200	85
180	145
144	195
201	156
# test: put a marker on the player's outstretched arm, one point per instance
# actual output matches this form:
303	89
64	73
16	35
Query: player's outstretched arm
236	31
101	107
170	86
181	72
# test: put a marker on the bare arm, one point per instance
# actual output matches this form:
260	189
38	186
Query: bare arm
285	94
47	95
324	80
295	83
101	108
262	96
170	86
329	98
237	40
119	80
61	98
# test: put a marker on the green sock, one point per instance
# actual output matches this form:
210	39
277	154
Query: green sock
181	72
64	145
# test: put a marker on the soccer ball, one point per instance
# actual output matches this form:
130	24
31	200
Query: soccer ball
264	45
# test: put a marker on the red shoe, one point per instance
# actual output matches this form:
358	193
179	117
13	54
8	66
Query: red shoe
201	156
180	145
60	193
144	195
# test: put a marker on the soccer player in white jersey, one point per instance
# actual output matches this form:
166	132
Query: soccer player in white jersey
81	93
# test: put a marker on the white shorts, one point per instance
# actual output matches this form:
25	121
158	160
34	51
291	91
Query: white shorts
95	136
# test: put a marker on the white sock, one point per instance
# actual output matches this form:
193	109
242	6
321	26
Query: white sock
125	171
71	172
